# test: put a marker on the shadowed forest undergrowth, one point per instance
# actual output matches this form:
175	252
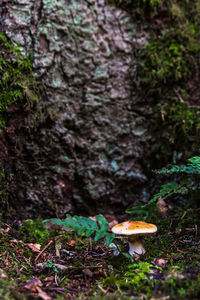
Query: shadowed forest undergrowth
47	262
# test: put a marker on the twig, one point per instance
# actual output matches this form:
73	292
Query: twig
179	96
104	291
56	210
185	212
196	229
4	253
49	243
84	267
56	281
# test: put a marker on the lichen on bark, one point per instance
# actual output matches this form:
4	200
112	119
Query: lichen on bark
89	149
92	141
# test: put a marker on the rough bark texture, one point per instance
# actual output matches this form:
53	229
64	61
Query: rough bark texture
91	146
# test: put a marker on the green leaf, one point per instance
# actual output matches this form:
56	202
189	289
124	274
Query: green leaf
103	224
72	223
66	223
99	234
109	238
127	255
92	223
56	221
89	232
80	230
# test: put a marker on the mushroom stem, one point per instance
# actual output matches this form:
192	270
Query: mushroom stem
135	246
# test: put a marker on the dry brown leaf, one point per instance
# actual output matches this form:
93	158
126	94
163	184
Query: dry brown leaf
40	267
162	206
160	262
93	219
5	230
43	294
60	267
113	223
34	247
32	284
50	278
71	243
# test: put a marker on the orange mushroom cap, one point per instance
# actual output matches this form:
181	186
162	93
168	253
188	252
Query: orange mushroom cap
134	228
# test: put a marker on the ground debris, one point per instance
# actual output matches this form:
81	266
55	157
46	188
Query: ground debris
84	267
32	284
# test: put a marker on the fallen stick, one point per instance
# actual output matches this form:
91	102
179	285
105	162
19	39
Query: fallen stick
49	243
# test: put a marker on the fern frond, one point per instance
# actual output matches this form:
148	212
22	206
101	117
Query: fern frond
193	167
182	185
86	226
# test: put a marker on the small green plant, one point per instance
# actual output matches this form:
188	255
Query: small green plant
187	178
191	168
86	226
136	276
51	265
139	271
153	3
186	181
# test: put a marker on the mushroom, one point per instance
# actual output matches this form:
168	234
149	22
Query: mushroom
134	229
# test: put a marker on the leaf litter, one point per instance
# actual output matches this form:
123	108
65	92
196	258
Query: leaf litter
67	265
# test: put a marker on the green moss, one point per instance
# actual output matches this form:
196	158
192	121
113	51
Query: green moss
169	61
169	58
7	287
17	81
168	73
17	85
34	231
182	288
4	186
179	125
2	177
2	173
138	272
114	296
138	278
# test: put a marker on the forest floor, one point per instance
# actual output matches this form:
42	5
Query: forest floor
40	261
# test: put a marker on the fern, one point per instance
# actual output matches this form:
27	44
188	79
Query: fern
193	167
86	226
188	180
143	211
